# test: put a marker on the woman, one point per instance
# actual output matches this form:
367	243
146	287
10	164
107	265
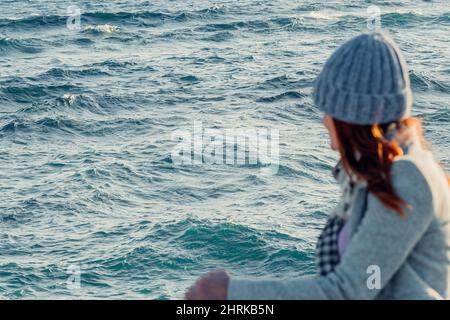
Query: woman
389	237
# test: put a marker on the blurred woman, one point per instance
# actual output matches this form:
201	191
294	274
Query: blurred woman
389	236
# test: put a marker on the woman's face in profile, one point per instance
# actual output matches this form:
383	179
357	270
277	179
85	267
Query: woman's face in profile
329	124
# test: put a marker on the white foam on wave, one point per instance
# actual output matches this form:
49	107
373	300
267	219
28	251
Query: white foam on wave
327	15
70	98
103	28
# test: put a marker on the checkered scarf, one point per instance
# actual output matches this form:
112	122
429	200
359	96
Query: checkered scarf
327	250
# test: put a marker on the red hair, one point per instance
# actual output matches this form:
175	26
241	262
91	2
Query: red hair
366	153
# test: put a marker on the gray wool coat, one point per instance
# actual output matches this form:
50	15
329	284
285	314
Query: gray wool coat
410	255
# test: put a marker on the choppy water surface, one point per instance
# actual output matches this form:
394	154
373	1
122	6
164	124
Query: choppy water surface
86	175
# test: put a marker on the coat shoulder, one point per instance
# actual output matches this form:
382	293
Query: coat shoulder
412	181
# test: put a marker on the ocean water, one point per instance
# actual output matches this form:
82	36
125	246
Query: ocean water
92	204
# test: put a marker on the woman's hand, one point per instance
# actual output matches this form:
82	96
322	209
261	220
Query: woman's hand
212	286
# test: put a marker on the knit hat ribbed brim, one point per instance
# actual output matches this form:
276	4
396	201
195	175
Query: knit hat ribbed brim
365	81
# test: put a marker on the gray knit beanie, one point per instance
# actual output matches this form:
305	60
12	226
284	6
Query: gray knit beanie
365	81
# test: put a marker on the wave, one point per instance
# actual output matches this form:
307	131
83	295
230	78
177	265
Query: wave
424	81
283	82
82	103
28	93
220	36
327	15
252	25
215	240
190	79
259	26
49	122
408	18
60	73
101	29
90	17
75	123
440	116
10	45
114	64
56	82
22	92
277	81
33	22
121	17
82	41
340	20
283	96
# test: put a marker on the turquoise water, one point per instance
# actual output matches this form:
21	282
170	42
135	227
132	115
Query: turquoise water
87	181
